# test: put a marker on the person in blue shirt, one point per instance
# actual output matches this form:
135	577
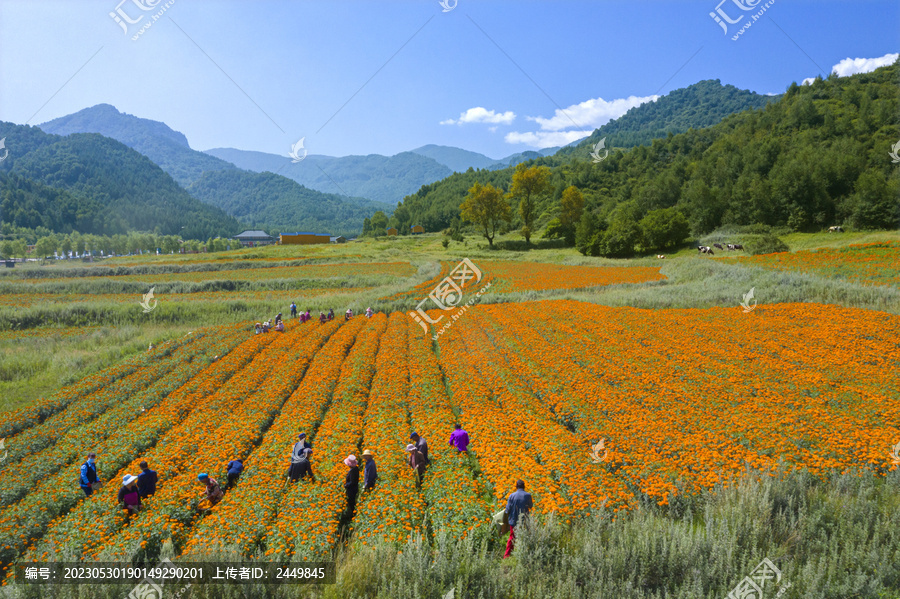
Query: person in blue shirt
89	480
146	481
517	507
235	467
370	471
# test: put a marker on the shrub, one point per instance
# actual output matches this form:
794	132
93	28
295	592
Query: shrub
664	229
765	244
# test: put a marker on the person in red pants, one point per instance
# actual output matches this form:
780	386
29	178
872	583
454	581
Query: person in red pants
517	506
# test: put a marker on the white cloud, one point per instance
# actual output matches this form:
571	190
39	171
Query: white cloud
482	115
808	81
575	122
852	66
593	113
545	139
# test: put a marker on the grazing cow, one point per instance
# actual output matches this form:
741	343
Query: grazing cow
836	229
718	246
660	256
704	249
738	246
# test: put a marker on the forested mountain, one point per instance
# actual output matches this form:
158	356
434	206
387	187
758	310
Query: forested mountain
817	156
279	204
95	184
375	177
696	106
459	160
155	140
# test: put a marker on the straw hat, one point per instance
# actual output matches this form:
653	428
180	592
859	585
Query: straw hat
367	452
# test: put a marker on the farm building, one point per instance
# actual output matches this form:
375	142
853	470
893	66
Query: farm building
392	231
303	238
417	229
253	238
338	239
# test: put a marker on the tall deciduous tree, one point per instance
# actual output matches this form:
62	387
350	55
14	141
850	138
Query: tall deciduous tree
486	207
528	185
44	247
571	205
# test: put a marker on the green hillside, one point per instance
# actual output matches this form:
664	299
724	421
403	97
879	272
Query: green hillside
279	204
696	106
816	157
155	140
94	184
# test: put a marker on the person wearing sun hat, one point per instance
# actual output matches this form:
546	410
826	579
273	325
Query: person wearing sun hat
421	445
351	483
213	491
129	495
416	462
370	473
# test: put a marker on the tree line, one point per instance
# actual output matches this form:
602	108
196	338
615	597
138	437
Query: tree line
16	242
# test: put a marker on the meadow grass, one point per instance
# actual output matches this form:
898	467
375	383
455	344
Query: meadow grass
33	366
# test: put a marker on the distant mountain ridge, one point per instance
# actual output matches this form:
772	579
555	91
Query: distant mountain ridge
155	140
379	178
459	160
95	184
216	182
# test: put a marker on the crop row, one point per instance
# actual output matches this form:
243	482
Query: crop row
128	401
243	519
307	522
165	436
215	442
53	497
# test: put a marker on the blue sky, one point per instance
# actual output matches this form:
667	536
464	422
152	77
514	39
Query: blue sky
384	77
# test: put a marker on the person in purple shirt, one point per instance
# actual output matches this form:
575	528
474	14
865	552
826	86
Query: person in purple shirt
460	439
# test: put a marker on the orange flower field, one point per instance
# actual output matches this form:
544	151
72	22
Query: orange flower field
683	400
868	263
506	276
